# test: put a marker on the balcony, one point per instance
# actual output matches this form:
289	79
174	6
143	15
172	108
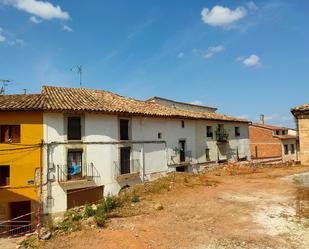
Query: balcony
127	170
76	177
222	136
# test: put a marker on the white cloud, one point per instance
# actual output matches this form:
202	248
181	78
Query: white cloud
213	50
35	20
251	61
252	6
17	42
209	52
67	28
220	16
42	9
180	55
2	37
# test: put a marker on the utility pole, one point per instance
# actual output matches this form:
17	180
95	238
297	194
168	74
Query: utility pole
78	69
4	84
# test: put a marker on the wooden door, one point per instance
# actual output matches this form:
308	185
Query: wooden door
125	160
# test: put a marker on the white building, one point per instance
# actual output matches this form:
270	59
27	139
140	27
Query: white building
99	142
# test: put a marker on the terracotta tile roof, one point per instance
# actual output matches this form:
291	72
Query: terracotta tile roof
19	102
78	99
270	127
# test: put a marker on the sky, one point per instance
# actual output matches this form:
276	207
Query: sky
244	57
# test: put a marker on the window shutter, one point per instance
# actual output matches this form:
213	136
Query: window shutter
15	133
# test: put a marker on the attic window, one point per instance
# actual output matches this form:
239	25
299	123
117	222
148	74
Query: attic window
124	129
182	124
237	131
74	128
10	133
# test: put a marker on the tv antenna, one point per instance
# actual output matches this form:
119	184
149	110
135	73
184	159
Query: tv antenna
5	83
78	69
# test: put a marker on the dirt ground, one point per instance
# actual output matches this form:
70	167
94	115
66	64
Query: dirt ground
265	209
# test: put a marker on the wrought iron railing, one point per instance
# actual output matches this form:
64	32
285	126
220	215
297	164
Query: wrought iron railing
88	171
222	136
129	167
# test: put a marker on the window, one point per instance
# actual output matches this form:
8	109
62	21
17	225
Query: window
4	175
74	128
286	149
74	164
124	129
182	124
159	135
209	131
277	132
207	154
237	131
10	133
283	133
292	149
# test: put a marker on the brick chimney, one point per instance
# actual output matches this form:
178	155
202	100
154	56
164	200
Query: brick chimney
262	119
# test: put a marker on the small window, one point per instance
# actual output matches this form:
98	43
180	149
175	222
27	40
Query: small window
277	133
237	131
159	135
283	132
207	153
10	133
74	164
74	128
124	129
292	149
182	124
286	149
4	175
209	131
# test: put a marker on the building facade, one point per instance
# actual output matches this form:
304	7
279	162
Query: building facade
21	136
273	142
97	143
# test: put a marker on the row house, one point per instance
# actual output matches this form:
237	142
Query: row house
21	154
97	142
269	142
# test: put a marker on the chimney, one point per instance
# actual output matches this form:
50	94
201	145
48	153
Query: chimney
262	119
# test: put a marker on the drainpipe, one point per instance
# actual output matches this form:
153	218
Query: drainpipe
143	163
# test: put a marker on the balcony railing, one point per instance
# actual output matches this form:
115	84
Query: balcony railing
222	136
87	172
129	169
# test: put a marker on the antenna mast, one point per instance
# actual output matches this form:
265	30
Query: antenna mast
4	84
78	69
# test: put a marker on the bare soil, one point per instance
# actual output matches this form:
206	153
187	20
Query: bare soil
257	209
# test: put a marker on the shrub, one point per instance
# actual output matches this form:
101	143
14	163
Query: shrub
109	203
100	216
71	221
135	198
89	211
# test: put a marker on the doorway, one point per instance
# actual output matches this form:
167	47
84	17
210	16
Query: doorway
23	224
125	160
182	150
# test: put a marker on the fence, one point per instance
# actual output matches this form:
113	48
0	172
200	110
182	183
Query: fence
20	225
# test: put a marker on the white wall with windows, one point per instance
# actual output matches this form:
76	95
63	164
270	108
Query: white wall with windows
150	147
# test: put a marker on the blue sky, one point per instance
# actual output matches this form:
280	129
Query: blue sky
244	57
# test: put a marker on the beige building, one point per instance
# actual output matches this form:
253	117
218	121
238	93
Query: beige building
301	113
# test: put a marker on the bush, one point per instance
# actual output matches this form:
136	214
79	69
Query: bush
71	221
100	216
89	211
109	203
135	198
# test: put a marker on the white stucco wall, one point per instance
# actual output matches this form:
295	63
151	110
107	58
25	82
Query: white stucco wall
156	155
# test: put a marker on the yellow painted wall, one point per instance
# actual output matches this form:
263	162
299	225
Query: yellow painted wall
23	162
